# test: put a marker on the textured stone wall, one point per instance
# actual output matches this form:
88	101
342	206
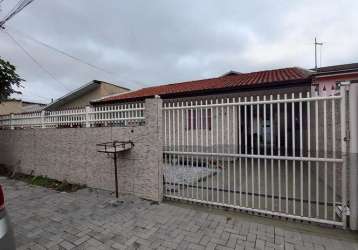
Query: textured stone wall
70	154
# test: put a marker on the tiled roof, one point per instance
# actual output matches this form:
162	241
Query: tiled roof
275	77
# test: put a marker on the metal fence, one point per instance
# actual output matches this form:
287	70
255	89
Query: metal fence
279	156
111	115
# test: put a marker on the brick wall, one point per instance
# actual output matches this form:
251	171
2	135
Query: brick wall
70	154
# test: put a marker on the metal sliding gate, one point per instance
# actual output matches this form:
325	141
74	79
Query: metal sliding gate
280	155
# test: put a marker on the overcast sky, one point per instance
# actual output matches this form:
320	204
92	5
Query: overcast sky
154	42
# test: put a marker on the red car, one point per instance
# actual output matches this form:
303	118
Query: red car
7	240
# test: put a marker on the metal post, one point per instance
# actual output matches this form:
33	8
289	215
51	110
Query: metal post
353	155
115	172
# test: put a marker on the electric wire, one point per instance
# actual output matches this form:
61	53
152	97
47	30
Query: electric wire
61	51
36	61
75	58
15	10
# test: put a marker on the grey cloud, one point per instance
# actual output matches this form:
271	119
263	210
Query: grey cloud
164	41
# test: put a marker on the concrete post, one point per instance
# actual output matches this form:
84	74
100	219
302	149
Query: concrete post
153	119
88	110
11	121
353	155
43	119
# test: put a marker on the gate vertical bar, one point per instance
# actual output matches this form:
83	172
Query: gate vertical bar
333	114
325	154
177	149
222	151
228	150
245	134
187	165
217	151
258	149
265	151
192	145
201	150
317	155
286	167
301	154
196	147
212	149
206	149
183	164
309	152
293	129
170	149
240	152
252	152
234	146
279	152
271	145
165	148
344	150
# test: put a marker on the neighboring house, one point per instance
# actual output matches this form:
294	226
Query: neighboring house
82	96
18	106
278	81
262	84
327	79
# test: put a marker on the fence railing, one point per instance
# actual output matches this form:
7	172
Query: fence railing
119	115
278	156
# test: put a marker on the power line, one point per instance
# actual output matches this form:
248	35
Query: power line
31	97
35	61
17	8
64	53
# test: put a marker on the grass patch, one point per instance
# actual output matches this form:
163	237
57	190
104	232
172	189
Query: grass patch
42	181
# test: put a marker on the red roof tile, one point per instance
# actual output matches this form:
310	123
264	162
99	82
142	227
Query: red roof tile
233	81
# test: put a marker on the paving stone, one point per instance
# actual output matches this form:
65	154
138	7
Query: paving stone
67	245
46	219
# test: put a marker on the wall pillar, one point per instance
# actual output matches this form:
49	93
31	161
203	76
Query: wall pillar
153	119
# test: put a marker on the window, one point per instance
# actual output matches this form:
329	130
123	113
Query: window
195	121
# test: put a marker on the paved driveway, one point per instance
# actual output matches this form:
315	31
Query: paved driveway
46	219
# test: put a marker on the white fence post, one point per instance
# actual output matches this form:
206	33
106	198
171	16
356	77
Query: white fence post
43	119
88	110
11	121
127	114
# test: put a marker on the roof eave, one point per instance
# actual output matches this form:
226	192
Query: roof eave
304	81
333	72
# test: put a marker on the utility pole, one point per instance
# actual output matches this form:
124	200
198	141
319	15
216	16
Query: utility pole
315	52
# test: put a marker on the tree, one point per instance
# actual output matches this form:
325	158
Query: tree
9	80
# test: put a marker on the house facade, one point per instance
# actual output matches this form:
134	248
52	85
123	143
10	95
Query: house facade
82	96
233	86
327	80
15	106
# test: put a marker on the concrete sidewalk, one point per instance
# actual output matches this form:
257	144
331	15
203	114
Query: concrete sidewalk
46	219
